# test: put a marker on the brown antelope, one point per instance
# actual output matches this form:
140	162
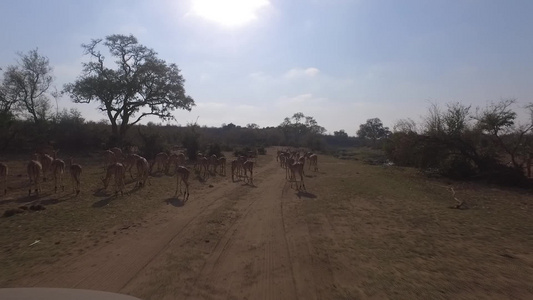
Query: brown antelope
119	155
313	161
249	166
203	163
75	174
222	163
143	170
297	168
34	169
161	161
46	162
130	161
109	158
175	160
58	168
182	175
117	171
3	176
235	165
212	161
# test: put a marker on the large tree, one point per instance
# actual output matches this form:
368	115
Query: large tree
25	87
373	129
299	128
140	85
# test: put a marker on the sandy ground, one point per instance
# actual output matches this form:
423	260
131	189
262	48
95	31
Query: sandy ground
231	241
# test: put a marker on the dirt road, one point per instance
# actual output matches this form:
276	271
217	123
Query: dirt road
228	241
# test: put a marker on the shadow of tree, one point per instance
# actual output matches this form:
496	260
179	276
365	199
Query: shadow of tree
101	193
305	194
103	202
175	201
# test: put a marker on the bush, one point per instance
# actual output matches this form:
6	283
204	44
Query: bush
457	167
190	142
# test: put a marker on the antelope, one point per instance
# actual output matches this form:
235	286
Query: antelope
249	166
3	175
222	163
313	161
46	162
203	163
130	161
109	158
58	168
212	161
182	175
119	155
297	167
115	170
252	155
235	165
75	174
34	169
176	159
143	170
161	160
289	161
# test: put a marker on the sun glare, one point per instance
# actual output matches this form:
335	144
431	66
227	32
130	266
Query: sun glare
229	13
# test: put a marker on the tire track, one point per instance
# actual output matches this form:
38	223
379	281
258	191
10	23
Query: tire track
251	260
113	266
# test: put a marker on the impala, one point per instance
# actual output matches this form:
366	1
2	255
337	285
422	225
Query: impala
75	174
297	168
161	161
249	166
34	169
109	158
117	171
46	162
143	170
313	161
58	168
182	175
222	163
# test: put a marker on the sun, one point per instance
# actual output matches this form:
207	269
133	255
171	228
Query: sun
228	13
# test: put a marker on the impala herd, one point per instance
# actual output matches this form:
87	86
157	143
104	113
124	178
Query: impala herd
117	164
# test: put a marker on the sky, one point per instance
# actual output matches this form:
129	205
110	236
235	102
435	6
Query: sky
259	61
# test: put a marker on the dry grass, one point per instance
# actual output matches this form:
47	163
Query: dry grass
385	232
406	242
73	224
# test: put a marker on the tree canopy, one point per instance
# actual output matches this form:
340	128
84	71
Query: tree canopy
300	127
25	87
141	84
373	129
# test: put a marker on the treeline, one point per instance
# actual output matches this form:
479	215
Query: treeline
70	132
457	142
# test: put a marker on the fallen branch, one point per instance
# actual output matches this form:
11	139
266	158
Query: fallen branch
460	203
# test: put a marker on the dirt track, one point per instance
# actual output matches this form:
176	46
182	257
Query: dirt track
231	241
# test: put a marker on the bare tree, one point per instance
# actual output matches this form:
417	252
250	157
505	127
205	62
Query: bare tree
25	86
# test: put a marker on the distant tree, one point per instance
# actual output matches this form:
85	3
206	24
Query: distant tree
295	130
139	86
25	87
405	126
373	129
498	120
340	134
252	126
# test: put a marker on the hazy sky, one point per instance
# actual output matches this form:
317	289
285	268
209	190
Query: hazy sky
259	61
